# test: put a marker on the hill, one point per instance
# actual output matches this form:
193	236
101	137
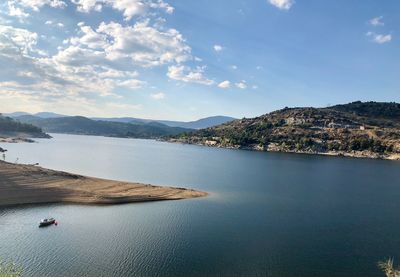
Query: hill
13	128
197	124
41	114
368	129
85	126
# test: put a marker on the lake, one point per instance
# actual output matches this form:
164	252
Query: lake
268	214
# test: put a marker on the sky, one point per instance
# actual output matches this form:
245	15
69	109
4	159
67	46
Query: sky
184	60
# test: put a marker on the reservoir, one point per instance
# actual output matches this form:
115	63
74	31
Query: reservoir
268	214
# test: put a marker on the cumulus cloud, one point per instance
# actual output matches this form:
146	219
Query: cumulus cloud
158	96
132	83
16	39
129	8
140	44
241	85
282	4
70	72
377	21
16	7
189	75
16	11
380	38
224	84
96	60
50	22
218	48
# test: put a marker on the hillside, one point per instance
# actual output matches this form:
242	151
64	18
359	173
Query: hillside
12	128
85	126
197	124
357	129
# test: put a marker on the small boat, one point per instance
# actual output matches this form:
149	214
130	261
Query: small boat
47	222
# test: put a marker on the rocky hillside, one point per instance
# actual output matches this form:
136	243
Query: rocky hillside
358	129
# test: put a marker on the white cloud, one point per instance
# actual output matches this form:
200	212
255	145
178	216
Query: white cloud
132	83
224	84
95	61
282	4
241	85
73	71
50	22
379	38
112	73
36	5
234	67
186	74
129	8
158	96
16	11
377	21
218	48
16	39
142	44
90	39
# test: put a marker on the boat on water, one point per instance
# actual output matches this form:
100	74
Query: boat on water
47	222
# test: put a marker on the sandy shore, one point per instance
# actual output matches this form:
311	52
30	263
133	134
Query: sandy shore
28	184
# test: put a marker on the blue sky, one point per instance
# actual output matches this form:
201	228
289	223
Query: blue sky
183	60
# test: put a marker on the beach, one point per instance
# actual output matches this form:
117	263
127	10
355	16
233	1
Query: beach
31	184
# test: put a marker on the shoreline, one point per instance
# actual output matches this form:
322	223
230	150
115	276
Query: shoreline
29	184
355	154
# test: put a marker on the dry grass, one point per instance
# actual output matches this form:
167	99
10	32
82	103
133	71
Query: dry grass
9	270
388	267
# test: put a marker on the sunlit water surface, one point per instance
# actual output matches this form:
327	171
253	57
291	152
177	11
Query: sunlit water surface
268	214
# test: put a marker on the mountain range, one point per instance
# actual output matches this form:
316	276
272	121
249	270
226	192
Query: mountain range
85	126
197	124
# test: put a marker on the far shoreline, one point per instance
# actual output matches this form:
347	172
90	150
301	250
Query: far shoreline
355	155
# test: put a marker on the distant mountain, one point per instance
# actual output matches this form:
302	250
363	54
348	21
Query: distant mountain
41	114
12	128
362	129
49	115
198	124
15	114
85	126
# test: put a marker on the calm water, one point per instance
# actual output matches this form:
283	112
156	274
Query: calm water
269	214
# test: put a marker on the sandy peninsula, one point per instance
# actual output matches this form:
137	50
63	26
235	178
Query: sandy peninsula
29	184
